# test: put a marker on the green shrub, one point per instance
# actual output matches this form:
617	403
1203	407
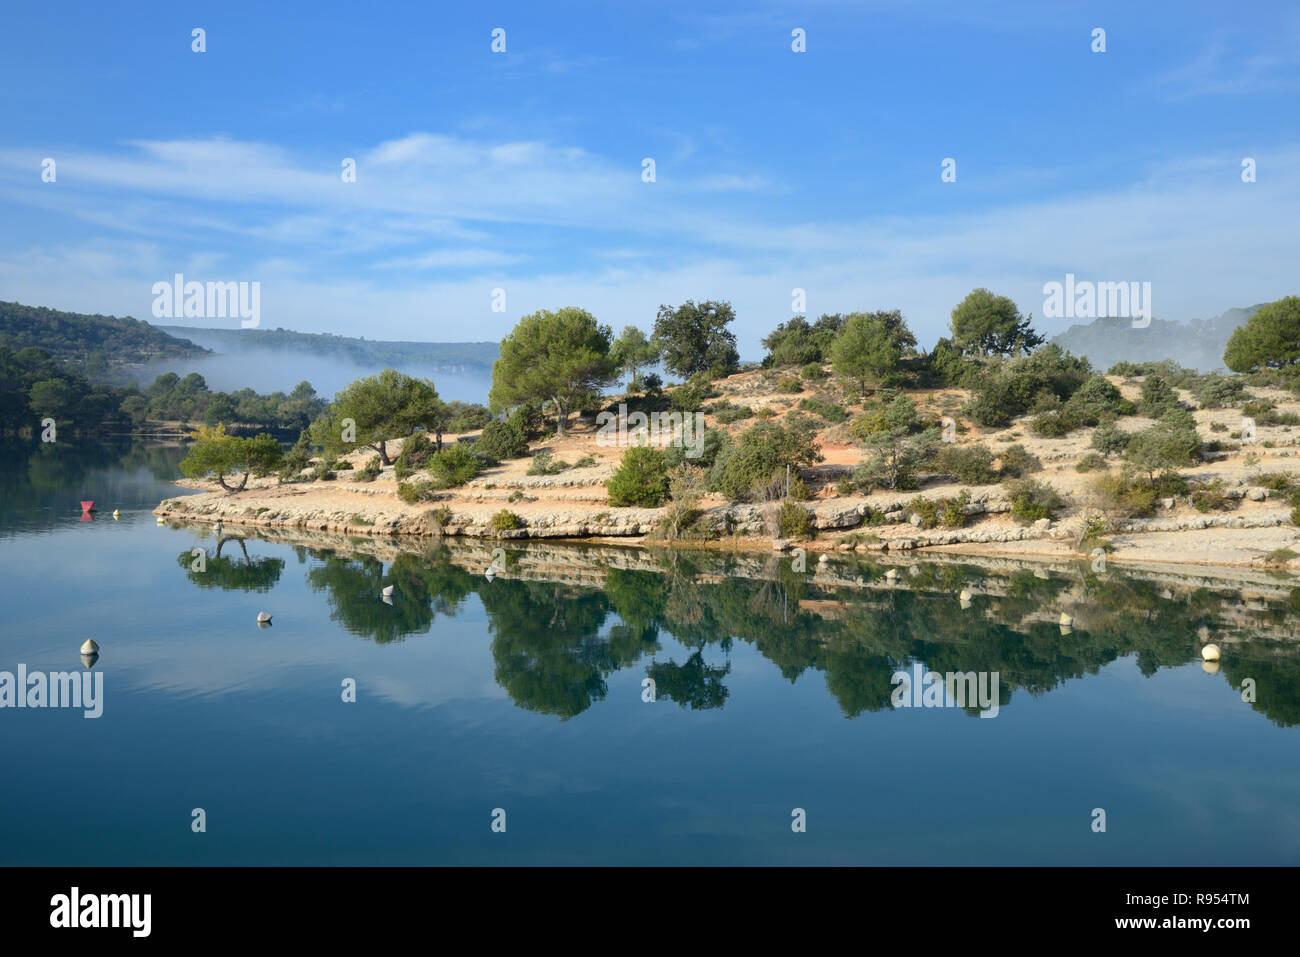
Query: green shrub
1210	497
927	510
544	464
586	462
1032	500
1090	463
727	412
440	517
1006	389
1110	440
813	371
1158	397
454	465
756	454
830	411
1018	461
503	439
412	492
1218	392
795	521
1277	481
952	511
968	464
372	470
414	456
690	396
505	521
1052	425
1124	496
641	479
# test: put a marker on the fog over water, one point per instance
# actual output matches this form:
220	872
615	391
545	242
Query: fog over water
266	370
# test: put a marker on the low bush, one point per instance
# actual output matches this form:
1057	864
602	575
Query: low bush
503	439
1123	495
813	371
789	384
641	479
830	411
372	470
1091	462
968	464
1018	461
544	463
1032	500
505	521
795	521
454	465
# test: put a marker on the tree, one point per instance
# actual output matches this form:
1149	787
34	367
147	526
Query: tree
381	407
694	338
896	456
561	356
870	347
1270	339
641	479
632	352
215	452
1171	442
985	324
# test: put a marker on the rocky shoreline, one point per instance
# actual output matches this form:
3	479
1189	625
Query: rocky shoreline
1180	535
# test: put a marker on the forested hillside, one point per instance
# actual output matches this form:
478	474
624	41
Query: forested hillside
92	344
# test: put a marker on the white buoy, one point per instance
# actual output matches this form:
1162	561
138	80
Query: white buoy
1210	653
89	647
965	595
1210	667
1066	620
116	514
263	617
388	591
491	572
823	559
161	520
891	574
88	661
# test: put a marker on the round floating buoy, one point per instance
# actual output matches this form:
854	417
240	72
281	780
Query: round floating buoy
116	513
161	520
491	572
88	661
965	595
388	591
823	559
891	574
1066	620
1210	667
263	617
89	647
1210	653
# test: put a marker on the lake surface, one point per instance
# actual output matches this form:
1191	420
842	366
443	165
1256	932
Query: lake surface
773	692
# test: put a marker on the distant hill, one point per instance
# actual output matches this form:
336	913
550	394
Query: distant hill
1197	344
447	356
93	344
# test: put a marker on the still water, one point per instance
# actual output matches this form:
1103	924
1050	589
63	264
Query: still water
526	693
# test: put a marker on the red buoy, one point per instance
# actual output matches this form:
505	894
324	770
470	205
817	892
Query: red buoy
87	506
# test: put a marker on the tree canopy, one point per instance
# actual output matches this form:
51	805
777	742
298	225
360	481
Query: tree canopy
986	324
381	407
563	357
1270	339
215	452
633	351
870	347
694	338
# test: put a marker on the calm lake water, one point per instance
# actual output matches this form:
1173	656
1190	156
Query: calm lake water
525	693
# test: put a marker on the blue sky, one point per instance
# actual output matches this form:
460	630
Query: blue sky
522	170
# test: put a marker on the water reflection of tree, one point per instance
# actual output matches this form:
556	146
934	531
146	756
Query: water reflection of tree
232	574
554	653
424	586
